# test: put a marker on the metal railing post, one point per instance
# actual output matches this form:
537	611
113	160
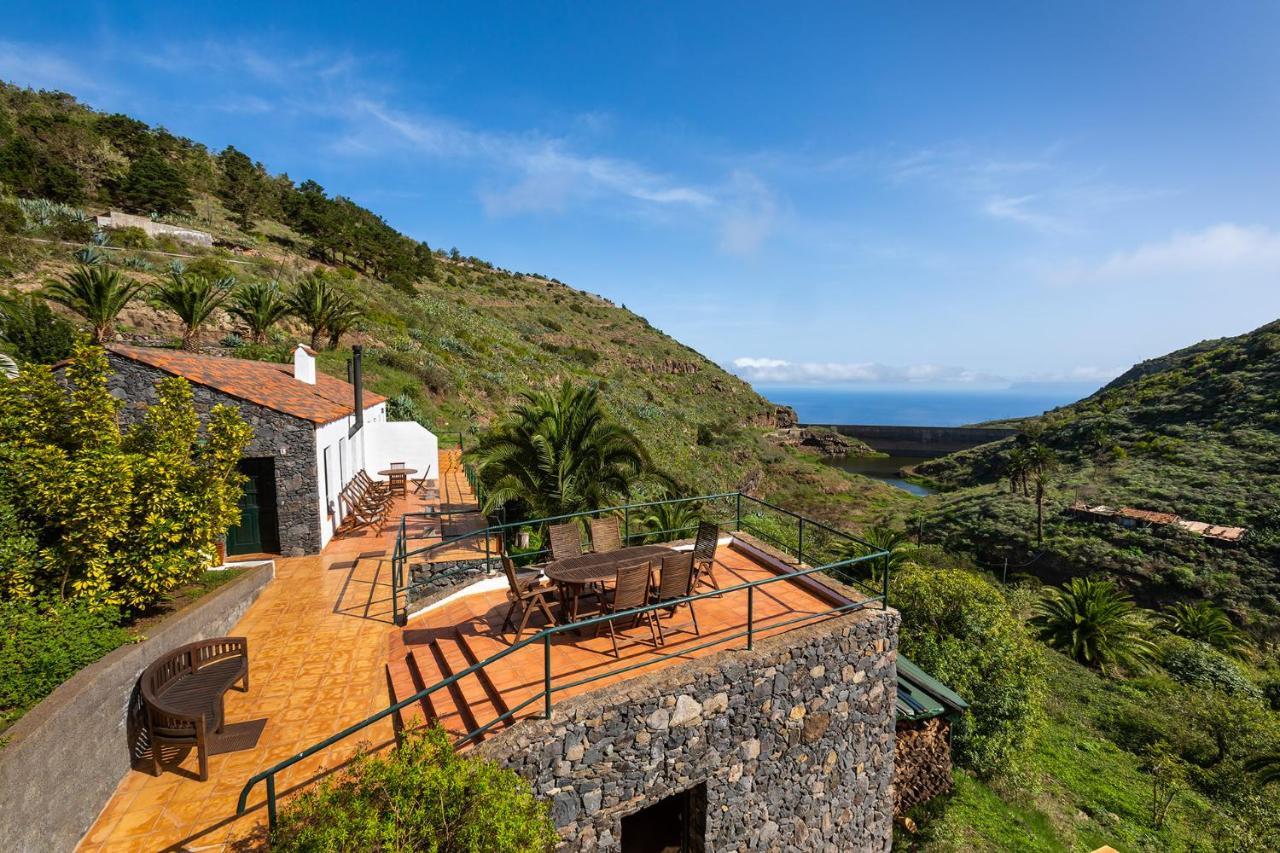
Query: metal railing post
271	801
739	525
751	612
800	546
546	678
626	526
884	581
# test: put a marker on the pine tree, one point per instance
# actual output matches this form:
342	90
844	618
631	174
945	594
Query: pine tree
154	186
240	187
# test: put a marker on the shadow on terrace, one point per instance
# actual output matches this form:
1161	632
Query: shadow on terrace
498	626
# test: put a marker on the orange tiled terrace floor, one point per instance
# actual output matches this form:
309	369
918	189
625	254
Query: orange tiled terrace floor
318	637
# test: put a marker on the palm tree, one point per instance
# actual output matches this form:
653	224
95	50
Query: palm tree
193	298
98	293
1209	624
669	521
1041	461
1267	766
1015	468
259	305
880	537
311	302
1095	623
341	316
559	454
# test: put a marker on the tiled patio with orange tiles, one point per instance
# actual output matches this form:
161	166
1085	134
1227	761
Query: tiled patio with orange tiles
318	638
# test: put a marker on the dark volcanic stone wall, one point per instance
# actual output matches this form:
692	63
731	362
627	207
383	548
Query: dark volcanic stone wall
297	482
794	741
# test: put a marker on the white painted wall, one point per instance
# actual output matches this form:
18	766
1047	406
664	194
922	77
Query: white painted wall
401	441
334	437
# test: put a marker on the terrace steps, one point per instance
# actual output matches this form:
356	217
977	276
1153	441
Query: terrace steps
463	706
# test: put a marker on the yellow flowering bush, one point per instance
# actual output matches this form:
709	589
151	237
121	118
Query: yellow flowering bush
109	517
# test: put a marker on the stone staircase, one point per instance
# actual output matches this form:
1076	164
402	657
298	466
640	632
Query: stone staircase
465	705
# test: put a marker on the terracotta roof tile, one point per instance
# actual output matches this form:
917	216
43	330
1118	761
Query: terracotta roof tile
265	383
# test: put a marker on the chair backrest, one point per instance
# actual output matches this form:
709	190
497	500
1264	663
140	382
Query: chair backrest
605	534
677	576
704	547
397	464
631	587
566	541
509	569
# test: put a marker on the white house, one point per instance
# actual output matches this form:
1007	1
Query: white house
312	434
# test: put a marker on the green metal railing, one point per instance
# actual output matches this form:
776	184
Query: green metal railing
757	510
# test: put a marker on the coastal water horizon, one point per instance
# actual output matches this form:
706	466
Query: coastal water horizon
903	406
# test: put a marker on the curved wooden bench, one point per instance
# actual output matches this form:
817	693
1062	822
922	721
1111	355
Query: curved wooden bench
183	694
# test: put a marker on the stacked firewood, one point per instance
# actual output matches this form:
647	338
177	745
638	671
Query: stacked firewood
922	762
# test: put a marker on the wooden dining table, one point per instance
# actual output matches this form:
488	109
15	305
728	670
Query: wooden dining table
574	573
397	478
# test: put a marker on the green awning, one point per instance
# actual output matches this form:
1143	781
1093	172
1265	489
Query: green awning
921	696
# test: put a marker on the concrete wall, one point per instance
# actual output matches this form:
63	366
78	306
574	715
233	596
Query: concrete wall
920	441
288	440
793	740
66	756
116	219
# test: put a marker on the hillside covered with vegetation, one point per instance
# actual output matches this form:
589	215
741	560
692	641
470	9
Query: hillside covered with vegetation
452	339
1195	433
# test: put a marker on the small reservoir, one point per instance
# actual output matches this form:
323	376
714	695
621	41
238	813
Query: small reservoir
883	468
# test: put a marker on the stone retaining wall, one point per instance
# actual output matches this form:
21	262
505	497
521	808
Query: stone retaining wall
793	740
66	756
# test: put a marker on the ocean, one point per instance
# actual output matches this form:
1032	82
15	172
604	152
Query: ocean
916	407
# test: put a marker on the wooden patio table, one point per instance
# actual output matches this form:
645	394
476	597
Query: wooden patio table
397	478
573	573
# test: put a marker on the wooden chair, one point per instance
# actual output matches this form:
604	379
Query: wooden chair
704	555
420	485
526	594
182	692
566	540
676	581
605	534
630	590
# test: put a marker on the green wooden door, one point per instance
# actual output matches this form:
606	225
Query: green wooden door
256	532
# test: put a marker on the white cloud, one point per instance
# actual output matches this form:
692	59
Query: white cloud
750	214
1018	209
1223	248
757	369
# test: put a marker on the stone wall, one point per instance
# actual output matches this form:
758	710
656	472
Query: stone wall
793	740
289	440
65	757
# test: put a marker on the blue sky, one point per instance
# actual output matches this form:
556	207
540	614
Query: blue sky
954	194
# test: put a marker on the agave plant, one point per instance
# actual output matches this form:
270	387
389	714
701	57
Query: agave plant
193	298
98	293
1207	623
559	454
1094	622
259	305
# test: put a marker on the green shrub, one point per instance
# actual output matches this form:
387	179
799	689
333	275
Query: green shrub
958	627
420	796
116	519
130	238
42	647
1199	665
37	334
12	220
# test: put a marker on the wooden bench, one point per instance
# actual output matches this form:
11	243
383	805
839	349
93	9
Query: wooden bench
183	694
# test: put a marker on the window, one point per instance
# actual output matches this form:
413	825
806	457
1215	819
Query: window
328	477
675	824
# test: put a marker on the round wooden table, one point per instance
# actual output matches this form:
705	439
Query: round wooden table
573	573
397	478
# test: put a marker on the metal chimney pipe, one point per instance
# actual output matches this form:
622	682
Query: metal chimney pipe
357	380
